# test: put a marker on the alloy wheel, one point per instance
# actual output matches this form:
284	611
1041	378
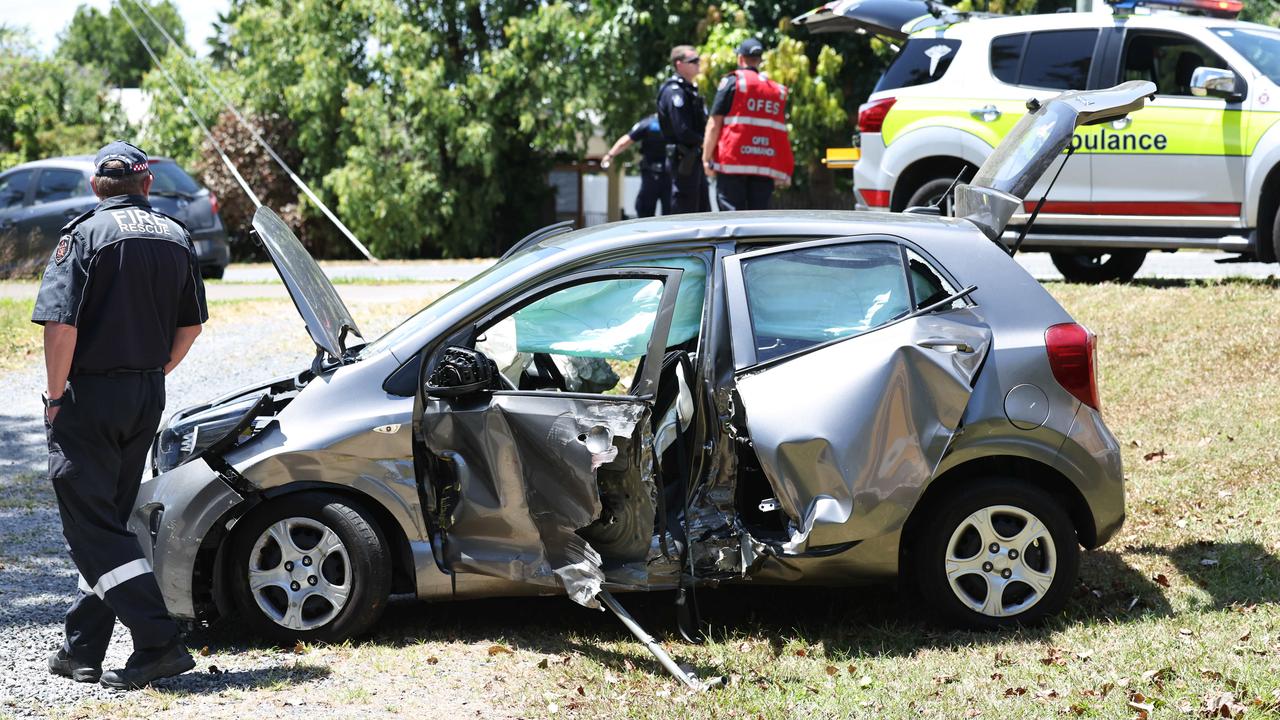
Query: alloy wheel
300	573
1000	561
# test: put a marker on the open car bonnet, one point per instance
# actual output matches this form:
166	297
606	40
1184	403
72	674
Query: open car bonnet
894	19
1004	180
327	318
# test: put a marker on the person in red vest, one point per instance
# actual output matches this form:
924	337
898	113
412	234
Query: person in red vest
746	149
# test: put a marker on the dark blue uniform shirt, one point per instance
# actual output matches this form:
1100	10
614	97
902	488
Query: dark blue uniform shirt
126	277
681	113
648	133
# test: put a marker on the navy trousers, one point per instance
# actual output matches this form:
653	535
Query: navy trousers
655	189
97	449
743	192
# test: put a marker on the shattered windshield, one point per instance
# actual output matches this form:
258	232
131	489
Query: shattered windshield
456	297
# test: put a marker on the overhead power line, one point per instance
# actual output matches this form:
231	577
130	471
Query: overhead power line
302	185
182	97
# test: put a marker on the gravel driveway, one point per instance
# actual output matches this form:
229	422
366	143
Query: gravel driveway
37	579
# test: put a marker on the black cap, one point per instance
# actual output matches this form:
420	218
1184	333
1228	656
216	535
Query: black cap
751	47
135	161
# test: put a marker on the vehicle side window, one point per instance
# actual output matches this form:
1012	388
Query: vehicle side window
13	189
928	286
922	60
57	185
1006	57
1058	59
809	296
1168	60
584	338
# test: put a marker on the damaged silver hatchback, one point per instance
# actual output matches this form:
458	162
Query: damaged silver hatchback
776	397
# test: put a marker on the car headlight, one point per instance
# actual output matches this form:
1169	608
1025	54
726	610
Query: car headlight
188	436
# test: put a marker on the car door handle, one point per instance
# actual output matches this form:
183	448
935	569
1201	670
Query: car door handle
986	113
945	344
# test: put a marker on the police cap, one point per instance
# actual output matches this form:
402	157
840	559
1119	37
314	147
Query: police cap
135	161
751	47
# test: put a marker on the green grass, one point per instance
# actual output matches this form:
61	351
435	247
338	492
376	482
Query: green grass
20	339
1177	616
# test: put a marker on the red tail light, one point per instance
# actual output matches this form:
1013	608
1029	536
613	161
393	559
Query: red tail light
213	202
871	114
1072	357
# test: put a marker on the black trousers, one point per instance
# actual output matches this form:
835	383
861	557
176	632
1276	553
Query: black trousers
97	448
688	191
743	192
655	189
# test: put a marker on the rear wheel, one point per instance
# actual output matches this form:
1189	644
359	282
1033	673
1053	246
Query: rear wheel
1097	266
312	567
998	553
930	193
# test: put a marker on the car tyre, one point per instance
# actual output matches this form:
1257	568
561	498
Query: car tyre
1275	239
309	567
1099	266
1034	565
930	192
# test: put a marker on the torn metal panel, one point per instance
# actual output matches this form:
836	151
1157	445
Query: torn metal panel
519	475
879	412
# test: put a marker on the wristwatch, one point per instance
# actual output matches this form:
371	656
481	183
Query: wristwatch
50	402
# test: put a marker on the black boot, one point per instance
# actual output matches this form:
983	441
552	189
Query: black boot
145	667
62	663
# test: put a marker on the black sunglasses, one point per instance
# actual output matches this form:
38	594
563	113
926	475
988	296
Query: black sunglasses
692	61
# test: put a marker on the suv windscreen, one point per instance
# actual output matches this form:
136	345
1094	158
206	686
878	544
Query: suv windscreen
1053	59
1260	47
1167	60
171	178
922	60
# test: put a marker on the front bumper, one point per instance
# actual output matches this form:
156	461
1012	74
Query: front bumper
212	248
172	516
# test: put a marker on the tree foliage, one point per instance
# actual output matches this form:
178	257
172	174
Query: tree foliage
105	41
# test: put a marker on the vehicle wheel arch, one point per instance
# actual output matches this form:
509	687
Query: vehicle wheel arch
954	479
214	564
922	171
1268	245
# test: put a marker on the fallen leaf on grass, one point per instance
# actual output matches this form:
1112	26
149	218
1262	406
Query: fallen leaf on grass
1002	660
1161	580
543	664
1158	677
1054	658
1047	694
1157	455
433	660
204	651
1245	637
213	670
832	670
1223	704
997	676
945	679
1015	691
1138	703
802	653
852	668
300	648
1078	708
499	650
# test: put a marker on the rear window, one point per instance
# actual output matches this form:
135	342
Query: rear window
1055	59
922	60
170	178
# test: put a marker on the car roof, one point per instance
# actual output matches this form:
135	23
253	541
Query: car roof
1071	20
70	162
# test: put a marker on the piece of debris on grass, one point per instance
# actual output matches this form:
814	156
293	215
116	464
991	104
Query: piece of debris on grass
499	650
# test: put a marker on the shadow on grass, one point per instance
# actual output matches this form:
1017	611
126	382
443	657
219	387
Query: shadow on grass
202	683
847	622
1271	282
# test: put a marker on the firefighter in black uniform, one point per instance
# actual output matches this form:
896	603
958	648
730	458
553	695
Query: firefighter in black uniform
655	181
683	119
121	302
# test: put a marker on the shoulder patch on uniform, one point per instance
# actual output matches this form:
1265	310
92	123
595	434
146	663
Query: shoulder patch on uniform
726	81
63	250
678	100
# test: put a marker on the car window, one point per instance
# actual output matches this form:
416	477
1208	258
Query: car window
592	335
1058	59
57	185
928	286
171	178
1006	57
687	319
1260	47
13	189
922	60
1166	59
804	297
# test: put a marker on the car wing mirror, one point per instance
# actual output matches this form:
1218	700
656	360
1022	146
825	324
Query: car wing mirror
459	371
1216	82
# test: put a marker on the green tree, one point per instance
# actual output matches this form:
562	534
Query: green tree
106	41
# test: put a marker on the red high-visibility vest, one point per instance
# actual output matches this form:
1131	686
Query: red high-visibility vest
754	138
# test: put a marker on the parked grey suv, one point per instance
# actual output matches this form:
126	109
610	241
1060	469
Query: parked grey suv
38	198
780	397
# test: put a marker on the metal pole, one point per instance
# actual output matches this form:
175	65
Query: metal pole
690	681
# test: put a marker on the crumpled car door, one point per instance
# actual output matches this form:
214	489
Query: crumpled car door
520	484
851	394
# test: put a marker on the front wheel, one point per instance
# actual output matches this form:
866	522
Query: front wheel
311	567
1099	266
998	553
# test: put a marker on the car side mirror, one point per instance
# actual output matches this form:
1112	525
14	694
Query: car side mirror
460	371
1216	82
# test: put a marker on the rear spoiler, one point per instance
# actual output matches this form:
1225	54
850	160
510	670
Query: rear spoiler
1005	179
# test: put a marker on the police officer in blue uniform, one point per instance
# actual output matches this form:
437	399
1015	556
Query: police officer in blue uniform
121	303
655	181
683	119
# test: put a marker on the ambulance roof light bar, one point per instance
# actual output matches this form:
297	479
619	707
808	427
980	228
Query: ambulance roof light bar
1226	9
